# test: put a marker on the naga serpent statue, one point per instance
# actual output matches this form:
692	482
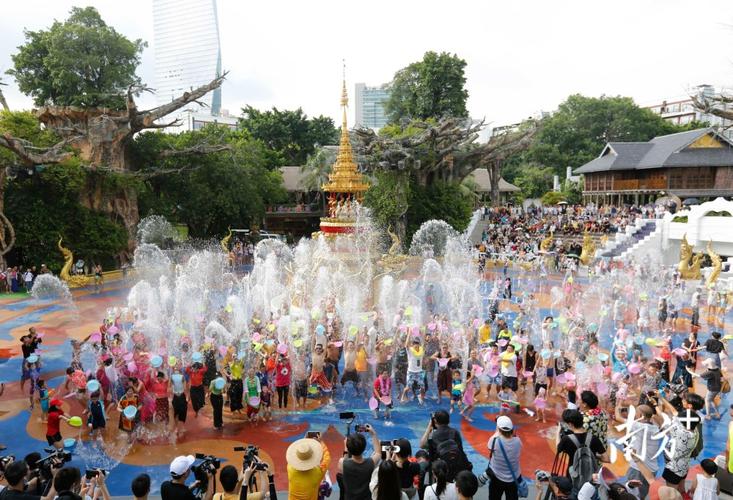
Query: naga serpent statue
73	281
717	266
687	270
225	241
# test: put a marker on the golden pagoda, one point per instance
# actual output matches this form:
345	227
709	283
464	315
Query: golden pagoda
346	186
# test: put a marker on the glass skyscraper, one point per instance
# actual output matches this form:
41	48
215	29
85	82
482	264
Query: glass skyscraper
369	105
187	51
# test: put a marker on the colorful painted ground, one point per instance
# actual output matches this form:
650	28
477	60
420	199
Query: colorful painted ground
22	432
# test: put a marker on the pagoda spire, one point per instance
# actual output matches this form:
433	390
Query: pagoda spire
344	176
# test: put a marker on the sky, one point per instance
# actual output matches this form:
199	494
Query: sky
522	56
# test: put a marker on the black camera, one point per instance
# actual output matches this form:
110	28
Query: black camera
251	455
347	415
209	465
55	457
361	428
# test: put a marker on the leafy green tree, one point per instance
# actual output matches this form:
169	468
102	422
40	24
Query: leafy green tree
208	192
552	198
534	180
290	134
46	205
572	192
388	198
431	88
79	62
441	200
581	127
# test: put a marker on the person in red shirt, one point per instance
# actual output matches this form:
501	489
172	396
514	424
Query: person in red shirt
159	387
53	425
282	380
196	374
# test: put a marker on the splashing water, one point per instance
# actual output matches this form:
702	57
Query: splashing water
49	287
156	230
431	239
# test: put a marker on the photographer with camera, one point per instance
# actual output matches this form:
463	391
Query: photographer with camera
176	488
245	485
240	485
16	474
444	442
355	470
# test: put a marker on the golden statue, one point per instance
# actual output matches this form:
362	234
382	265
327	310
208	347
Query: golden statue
717	266
604	241
546	243
225	241
589	249
396	246
687	270
394	261
76	281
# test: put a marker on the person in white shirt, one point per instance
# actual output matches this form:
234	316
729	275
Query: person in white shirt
28	278
441	489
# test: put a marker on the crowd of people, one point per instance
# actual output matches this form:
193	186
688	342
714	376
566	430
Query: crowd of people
517	234
607	398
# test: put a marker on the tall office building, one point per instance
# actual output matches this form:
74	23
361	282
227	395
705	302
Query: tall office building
187	51
369	106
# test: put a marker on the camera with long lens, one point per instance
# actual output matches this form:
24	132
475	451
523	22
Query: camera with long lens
44	465
209	465
251	456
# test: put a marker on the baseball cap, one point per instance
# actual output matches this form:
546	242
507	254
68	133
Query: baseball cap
56	402
181	464
504	423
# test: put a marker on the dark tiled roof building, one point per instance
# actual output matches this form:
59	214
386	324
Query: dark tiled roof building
698	163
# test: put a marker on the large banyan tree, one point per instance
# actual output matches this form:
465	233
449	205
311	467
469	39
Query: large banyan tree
81	75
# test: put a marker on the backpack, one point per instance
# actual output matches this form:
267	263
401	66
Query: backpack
724	386
585	463
699	444
454	456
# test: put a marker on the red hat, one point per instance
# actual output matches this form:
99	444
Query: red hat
56	402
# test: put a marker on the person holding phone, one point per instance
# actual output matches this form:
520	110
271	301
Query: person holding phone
355	470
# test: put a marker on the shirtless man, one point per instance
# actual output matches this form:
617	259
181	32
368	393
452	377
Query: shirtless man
318	377
350	373
384	359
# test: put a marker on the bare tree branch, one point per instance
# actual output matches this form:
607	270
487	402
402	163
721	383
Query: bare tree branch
201	149
713	105
146	119
30	155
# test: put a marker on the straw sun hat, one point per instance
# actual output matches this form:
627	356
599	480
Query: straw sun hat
304	454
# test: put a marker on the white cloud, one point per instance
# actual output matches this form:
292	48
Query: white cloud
522	56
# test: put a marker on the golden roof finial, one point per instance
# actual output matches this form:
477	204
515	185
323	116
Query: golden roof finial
344	176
